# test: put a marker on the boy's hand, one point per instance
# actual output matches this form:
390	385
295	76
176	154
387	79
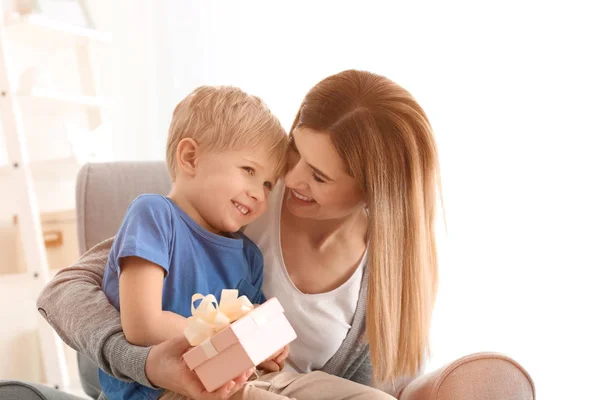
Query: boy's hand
276	362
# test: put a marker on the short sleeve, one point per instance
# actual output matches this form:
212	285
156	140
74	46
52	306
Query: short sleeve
146	231
257	267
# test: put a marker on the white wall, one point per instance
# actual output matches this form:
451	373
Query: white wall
512	91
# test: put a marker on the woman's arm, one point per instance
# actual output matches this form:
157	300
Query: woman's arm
74	305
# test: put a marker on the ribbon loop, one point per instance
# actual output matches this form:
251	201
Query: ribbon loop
210	316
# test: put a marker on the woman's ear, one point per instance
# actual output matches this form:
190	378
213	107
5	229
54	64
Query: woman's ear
187	153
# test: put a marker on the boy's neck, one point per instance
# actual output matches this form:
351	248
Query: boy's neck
182	202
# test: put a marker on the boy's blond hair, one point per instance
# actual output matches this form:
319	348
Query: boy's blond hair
221	118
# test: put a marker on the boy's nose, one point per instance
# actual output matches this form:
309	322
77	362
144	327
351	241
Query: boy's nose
257	193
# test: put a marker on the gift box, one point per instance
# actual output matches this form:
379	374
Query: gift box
233	337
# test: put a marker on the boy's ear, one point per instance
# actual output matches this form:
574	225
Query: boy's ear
187	152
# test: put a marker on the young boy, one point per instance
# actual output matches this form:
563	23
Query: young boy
225	151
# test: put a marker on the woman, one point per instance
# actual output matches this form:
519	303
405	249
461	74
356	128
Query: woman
348	243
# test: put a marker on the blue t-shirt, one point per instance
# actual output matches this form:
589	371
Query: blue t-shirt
195	261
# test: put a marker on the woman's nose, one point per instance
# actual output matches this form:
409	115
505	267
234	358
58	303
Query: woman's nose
295	175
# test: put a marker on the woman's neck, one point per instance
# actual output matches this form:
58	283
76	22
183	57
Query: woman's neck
325	233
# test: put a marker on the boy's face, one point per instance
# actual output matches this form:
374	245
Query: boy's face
230	189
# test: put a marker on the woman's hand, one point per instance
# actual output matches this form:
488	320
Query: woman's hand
276	362
166	368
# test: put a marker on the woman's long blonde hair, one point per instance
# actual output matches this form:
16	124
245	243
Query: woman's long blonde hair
387	143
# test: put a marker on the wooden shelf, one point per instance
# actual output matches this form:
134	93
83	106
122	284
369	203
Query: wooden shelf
66	99
14	282
40	30
55	169
49	169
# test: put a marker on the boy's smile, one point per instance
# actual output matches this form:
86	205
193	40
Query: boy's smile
227	189
242	208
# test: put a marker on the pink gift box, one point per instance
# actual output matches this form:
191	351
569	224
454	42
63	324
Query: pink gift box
241	346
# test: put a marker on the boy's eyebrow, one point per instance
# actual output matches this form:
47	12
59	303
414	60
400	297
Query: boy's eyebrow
255	164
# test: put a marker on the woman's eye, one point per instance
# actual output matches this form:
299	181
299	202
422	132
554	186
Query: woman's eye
249	170
269	185
316	178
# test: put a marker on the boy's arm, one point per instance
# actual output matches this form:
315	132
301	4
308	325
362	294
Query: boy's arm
140	292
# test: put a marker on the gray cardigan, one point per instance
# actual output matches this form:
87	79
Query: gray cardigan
75	306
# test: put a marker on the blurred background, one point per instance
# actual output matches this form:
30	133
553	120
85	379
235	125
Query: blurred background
511	89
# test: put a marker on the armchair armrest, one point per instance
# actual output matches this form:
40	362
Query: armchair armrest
31	391
480	376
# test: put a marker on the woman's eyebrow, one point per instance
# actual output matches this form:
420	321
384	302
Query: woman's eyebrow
320	172
293	143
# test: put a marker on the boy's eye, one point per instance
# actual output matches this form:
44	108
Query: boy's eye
269	185
249	170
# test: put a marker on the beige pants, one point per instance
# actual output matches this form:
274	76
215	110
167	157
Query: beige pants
290	385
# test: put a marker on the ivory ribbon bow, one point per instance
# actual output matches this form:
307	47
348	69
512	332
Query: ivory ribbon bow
210	316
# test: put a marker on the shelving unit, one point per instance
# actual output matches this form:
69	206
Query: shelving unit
65	99
20	171
49	33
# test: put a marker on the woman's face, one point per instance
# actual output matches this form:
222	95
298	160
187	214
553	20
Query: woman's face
318	182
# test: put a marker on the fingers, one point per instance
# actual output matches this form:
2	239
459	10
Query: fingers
270	366
244	377
281	357
272	356
192	386
240	381
280	364
223	392
230	388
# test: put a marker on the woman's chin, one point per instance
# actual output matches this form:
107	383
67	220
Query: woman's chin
299	208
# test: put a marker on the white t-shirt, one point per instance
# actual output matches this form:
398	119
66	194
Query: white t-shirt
322	320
